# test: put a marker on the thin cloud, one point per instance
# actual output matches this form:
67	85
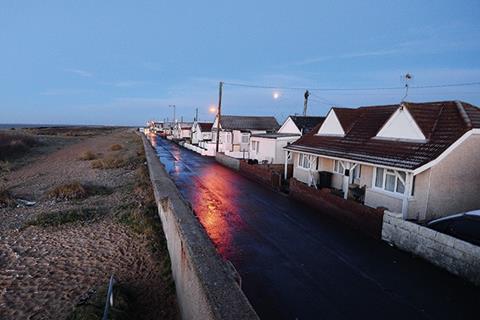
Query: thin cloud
80	72
63	92
373	53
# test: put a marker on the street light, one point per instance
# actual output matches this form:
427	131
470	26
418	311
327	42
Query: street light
174	107
219	113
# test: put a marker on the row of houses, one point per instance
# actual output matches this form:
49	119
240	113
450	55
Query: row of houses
418	159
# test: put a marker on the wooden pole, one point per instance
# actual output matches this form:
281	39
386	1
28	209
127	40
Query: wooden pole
219	111
305	103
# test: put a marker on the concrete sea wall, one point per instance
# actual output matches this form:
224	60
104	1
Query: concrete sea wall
205	284
456	256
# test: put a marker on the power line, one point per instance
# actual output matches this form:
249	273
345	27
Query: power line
464	84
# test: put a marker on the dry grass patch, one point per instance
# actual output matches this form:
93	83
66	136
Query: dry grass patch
116	147
76	191
6	199
15	145
69	191
88	155
55	219
109	163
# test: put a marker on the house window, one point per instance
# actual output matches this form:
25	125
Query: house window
258	146
303	161
245	138
390	180
253	145
338	167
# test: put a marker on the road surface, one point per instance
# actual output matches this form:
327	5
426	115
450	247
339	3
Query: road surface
296	263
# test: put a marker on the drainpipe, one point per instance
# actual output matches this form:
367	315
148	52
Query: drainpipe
408	191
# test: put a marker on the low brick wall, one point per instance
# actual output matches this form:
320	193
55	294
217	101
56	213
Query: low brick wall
205	284
456	256
270	175
358	216
227	161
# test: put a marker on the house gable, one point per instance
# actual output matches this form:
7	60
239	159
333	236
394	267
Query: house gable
289	126
331	126
401	126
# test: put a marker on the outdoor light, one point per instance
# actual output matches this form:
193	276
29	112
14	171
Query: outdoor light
276	95
212	109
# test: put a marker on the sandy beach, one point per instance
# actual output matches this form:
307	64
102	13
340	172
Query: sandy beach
47	268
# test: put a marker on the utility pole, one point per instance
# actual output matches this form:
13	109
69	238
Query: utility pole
196	114
172	105
219	112
305	103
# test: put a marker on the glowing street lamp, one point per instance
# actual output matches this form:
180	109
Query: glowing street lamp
276	95
212	109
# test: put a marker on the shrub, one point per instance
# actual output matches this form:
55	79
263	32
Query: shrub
6	199
88	155
69	191
109	163
116	147
58	218
15	145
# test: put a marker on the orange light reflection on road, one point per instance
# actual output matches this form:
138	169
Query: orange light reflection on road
214	212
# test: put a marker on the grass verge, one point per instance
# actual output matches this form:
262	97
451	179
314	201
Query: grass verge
55	219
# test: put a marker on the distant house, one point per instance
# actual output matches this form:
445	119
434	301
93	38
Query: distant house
268	147
182	130
235	132
201	131
420	159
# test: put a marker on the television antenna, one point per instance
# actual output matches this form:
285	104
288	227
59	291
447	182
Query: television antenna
407	78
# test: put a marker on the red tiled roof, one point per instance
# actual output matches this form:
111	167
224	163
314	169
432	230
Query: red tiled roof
442	123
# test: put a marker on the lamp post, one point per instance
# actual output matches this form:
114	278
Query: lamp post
174	107
219	112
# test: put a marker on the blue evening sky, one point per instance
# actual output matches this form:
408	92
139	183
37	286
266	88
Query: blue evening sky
124	62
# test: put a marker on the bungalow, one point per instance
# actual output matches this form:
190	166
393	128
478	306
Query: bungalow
201	131
268	147
420	159
235	132
182	130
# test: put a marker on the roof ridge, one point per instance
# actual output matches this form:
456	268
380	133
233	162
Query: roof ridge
464	114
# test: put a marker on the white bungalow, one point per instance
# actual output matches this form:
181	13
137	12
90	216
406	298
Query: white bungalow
268	147
235	132
201	131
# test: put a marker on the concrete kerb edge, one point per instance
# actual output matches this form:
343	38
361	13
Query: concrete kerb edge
223	295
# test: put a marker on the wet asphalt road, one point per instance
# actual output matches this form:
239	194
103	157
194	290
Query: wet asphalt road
296	263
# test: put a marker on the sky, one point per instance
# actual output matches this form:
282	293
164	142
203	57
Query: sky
124	62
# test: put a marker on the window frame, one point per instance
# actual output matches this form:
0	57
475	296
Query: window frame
336	169
303	161
398	179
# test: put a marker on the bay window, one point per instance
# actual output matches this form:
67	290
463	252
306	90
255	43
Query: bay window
390	180
303	161
338	167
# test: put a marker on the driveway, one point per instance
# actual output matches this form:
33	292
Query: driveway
296	263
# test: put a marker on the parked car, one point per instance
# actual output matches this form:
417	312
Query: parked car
464	226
